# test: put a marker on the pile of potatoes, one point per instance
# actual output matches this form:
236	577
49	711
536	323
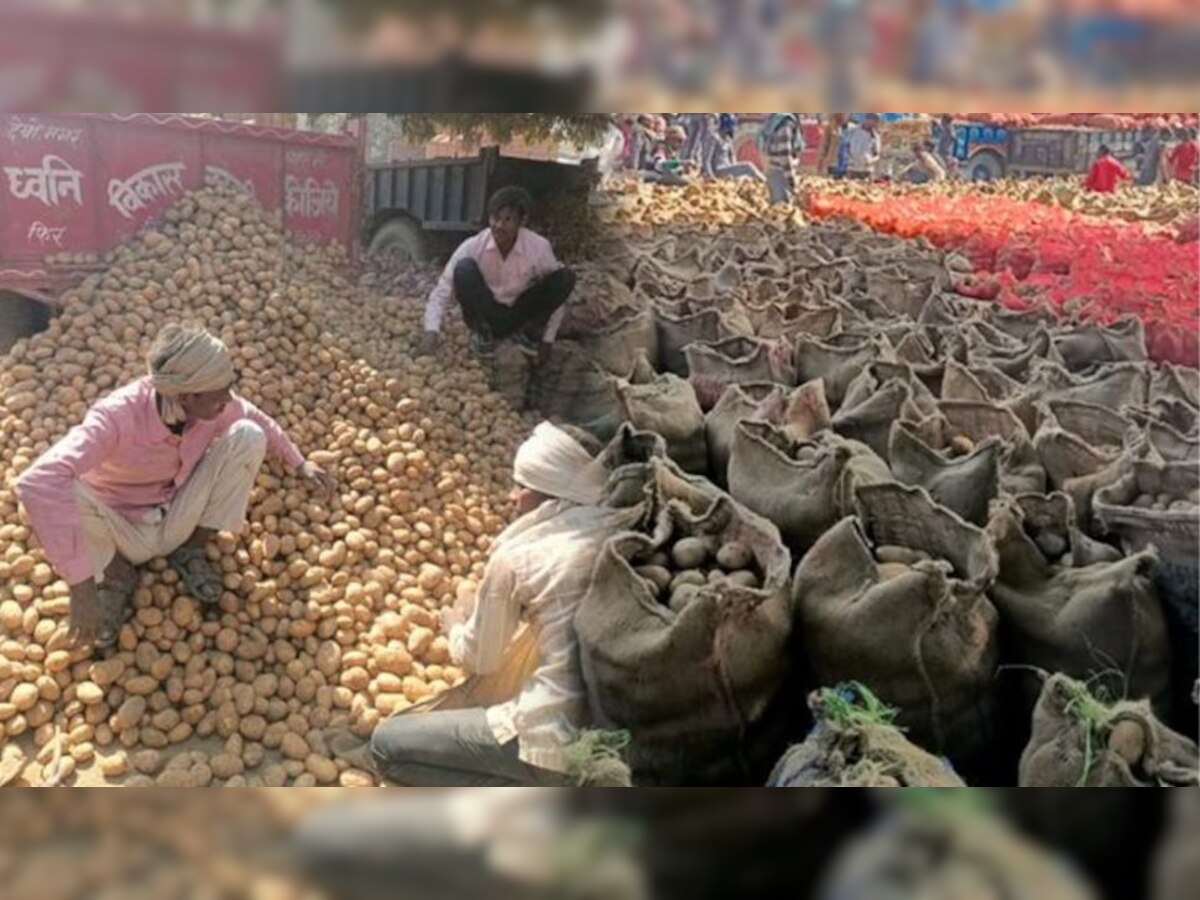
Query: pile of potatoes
683	565
330	616
1165	502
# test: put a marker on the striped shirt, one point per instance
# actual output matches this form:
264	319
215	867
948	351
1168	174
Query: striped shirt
783	145
539	571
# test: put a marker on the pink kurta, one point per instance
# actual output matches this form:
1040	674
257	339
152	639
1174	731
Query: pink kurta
132	461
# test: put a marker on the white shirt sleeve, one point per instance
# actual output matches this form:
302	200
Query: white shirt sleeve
439	297
479	644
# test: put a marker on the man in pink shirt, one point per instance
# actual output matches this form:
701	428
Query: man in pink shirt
155	469
506	280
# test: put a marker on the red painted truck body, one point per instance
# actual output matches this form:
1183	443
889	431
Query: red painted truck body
75	184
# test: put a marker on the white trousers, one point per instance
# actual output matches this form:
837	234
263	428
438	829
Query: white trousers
214	496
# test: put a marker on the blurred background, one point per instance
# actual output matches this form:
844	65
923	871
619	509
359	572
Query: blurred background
526	843
471	55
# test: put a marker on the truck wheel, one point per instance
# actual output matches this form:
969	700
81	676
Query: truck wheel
985	167
403	235
20	317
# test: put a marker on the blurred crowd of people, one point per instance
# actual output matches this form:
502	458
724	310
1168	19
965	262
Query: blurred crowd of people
678	148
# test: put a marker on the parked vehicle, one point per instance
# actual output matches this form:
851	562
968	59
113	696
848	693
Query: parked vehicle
74	186
424	207
986	152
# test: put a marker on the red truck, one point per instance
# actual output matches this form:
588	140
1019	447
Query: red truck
73	186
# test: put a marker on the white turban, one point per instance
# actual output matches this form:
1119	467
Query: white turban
552	462
187	361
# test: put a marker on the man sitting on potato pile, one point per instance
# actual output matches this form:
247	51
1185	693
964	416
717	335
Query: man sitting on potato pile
155	469
538	573
507	281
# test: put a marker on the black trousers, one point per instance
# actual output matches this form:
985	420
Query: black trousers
532	309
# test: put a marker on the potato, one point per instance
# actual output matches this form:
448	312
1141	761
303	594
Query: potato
421	451
745	578
961	445
682	595
693	577
690	553
1052	545
658	576
1128	740
1143	501
733	556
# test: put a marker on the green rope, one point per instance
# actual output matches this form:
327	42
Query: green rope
852	704
596	757
1094	716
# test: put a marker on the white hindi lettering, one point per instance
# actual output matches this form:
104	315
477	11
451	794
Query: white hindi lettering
299	159
30	130
144	187
309	198
215	176
53	180
45	234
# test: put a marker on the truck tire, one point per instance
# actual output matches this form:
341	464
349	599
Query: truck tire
985	166
20	317
401	234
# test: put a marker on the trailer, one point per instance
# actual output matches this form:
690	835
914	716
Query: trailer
76	185
987	152
425	207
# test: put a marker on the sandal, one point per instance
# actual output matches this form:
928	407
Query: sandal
115	609
197	574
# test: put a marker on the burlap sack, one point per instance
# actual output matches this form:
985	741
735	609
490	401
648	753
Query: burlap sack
1083	447
857	752
965	484
1112	386
697	689
571	386
1100	622
1083	347
678	329
1021	471
618	347
667	405
881	394
757	401
836	362
925	641
978	855
1078	742
712	367
1120	512
804	487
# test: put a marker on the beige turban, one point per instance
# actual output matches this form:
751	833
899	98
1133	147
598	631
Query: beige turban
552	462
188	361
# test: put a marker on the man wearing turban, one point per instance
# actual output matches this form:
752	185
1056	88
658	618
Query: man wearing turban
538	572
155	469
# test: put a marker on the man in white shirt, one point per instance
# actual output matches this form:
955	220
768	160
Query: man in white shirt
506	280
538	572
863	148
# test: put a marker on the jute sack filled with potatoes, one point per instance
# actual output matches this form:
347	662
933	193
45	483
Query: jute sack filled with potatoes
683	637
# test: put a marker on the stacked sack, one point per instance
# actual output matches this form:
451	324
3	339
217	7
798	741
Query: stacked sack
973	501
